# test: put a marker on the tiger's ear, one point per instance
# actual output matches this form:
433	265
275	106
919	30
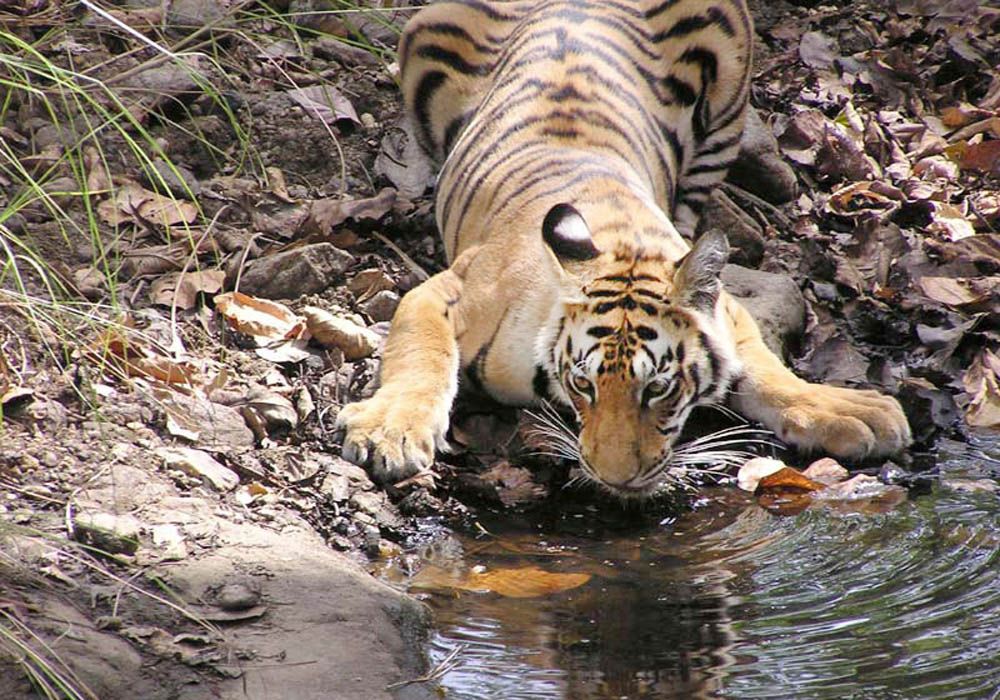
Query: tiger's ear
696	281
567	235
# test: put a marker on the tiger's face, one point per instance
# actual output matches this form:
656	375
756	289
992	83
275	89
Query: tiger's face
637	347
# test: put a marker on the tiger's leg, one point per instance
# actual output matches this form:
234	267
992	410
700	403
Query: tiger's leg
849	423
397	430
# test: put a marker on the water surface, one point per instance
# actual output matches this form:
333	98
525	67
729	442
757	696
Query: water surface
730	601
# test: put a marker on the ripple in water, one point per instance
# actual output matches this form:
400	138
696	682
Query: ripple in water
733	602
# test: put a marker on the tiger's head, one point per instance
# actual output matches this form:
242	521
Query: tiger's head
637	343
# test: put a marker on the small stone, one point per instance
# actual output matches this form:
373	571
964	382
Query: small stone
774	300
971	485
168	537
368	121
293	273
826	471
178	180
755	469
381	306
336	487
114	534
236	596
200	464
744	234
759	167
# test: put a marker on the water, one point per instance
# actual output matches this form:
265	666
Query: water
730	601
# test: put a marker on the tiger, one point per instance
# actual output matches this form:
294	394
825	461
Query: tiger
578	141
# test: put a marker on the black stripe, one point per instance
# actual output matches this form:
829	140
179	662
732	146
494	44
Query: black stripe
453	60
705	59
454	30
694	23
682	90
540	383
428	85
646	333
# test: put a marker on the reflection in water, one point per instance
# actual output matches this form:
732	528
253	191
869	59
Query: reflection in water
732	602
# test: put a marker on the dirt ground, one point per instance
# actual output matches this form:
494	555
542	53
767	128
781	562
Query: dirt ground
175	519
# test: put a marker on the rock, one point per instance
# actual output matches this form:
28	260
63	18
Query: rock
293	273
336	487
356	342
114	534
773	300
826	471
200	464
381	306
235	596
186	16
744	234
759	168
215	426
377	505
179	181
753	470
169	539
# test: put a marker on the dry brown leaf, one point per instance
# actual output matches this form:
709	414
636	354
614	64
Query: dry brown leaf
950	222
982	157
132	203
324	214
520	582
960	292
864	199
279	188
962	114
332	331
982	382
135	359
324	102
182	288
753	470
265	321
787	480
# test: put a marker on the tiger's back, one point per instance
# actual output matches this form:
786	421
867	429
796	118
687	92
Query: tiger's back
526	101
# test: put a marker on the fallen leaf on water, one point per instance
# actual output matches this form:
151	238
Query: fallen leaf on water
787	480
520	582
265	321
982	382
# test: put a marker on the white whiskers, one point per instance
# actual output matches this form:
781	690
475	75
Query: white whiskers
710	456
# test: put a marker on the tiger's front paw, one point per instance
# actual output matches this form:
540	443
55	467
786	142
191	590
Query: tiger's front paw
394	434
848	423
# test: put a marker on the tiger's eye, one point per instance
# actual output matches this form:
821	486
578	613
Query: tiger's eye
582	384
657	387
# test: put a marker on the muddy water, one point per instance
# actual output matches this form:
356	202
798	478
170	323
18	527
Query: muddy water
730	601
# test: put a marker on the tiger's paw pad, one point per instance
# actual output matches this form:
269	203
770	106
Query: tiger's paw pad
847	423
393	436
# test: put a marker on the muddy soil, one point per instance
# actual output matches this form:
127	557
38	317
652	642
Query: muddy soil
176	519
